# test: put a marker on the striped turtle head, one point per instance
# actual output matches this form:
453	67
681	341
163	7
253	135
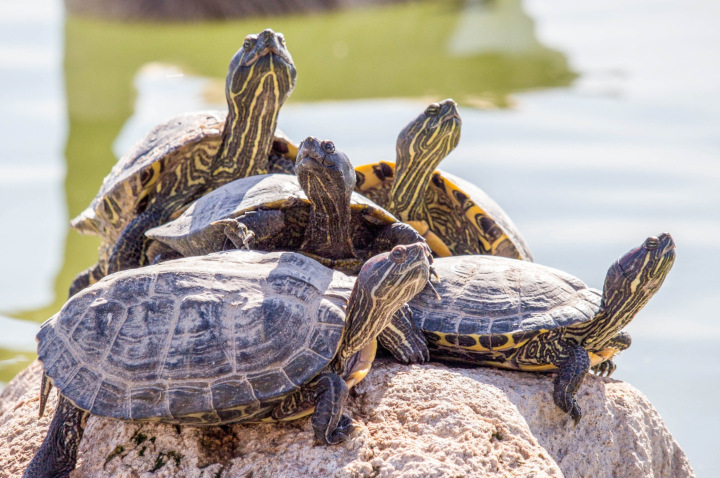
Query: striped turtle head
420	147
261	71
392	278
324	173
630	283
260	78
430	137
639	273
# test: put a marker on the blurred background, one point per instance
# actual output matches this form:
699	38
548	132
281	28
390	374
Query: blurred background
594	125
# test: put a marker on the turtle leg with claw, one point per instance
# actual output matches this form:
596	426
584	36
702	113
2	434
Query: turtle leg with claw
611	349
327	393
573	363
57	455
255	227
403	339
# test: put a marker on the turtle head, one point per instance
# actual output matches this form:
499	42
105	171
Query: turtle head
392	278
262	66
630	283
431	136
642	270
323	172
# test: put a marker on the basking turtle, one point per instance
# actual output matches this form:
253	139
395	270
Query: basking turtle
190	155
453	215
314	212
524	316
239	336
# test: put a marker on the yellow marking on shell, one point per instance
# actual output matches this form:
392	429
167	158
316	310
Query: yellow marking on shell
537	368
371	179
435	243
359	372
292	151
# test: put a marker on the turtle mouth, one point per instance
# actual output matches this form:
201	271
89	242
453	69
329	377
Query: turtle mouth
272	52
310	161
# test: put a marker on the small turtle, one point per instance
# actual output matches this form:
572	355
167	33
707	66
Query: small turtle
314	212
239	336
190	155
453	215
524	316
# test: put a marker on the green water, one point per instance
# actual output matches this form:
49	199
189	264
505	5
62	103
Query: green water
385	52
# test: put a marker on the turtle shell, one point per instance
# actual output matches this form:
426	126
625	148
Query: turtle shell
203	340
493	305
464	219
165	150
194	233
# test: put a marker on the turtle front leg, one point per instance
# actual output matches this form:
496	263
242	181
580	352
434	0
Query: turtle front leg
611	349
327	393
255	227
395	234
573	363
131	245
57	455
403	339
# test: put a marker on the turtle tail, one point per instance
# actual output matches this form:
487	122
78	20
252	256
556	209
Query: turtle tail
45	387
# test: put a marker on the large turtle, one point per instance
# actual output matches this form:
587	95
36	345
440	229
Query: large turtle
453	215
190	155
239	336
524	316
315	212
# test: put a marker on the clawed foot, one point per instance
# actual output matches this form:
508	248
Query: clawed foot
418	353
238	233
342	432
604	369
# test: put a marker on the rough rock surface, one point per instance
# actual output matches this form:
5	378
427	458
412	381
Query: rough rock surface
411	421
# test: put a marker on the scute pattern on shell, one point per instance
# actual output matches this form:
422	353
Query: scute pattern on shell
203	340
164	150
488	295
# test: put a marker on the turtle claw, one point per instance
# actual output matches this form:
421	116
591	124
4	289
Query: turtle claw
604	369
248	239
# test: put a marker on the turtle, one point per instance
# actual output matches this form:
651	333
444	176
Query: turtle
237	336
453	215
519	315
190	155
314	212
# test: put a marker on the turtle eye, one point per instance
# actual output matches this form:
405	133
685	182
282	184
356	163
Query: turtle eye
281	38
328	147
433	110
249	42
398	255
651	243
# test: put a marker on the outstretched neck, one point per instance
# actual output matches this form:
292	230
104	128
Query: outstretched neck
248	133
328	229
412	179
365	319
616	312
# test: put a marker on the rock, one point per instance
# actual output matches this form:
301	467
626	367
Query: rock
414	421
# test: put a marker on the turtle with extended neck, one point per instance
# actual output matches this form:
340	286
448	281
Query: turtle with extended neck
190	155
234	337
523	316
453	215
